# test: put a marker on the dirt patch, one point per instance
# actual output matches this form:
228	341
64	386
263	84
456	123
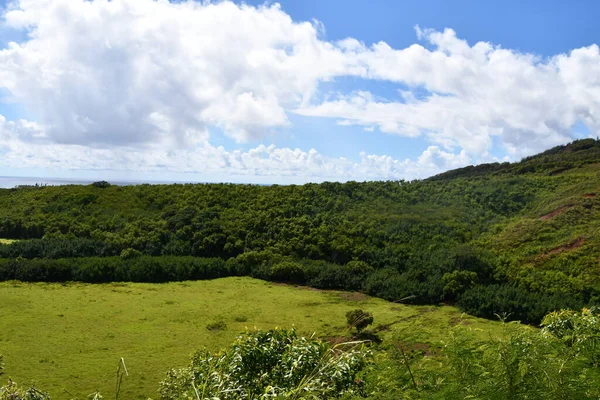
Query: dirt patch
354	296
575	244
554	213
589	195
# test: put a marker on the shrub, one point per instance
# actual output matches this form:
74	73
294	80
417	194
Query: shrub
579	330
12	391
513	303
287	271
276	363
130	253
217	326
456	282
359	319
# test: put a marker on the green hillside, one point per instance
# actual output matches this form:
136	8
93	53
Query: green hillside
517	239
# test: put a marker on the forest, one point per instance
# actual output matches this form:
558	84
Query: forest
518	240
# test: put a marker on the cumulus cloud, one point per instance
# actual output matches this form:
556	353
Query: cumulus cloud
275	164
474	93
145	72
144	83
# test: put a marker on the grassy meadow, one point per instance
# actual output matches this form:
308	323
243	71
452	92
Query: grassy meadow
71	336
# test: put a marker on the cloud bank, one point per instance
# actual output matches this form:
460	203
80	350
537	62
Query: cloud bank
143	84
260	164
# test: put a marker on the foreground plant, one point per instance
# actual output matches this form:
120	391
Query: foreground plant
12	391
273	364
579	330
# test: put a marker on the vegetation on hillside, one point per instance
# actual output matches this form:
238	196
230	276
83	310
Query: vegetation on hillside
518	240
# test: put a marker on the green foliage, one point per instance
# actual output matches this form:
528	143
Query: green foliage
359	319
520	364
287	271
271	364
527	227
512	303
457	282
12	391
129	267
101	184
129	254
579	330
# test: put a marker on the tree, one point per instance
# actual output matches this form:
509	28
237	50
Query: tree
101	184
359	319
457	282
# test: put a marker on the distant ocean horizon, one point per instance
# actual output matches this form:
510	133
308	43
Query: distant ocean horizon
9	182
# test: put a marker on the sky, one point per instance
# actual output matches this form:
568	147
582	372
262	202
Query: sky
290	92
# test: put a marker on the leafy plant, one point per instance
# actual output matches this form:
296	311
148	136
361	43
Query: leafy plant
12	391
271	364
579	330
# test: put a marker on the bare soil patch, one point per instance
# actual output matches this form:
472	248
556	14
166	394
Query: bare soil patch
575	244
554	213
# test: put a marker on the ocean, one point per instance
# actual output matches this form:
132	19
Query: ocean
8	182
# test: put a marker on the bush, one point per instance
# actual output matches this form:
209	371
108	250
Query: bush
271	364
456	282
287	271
217	326
130	253
113	269
359	319
513	303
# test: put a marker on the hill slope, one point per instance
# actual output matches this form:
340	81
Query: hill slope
519	238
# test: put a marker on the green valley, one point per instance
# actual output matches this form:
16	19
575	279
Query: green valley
150	273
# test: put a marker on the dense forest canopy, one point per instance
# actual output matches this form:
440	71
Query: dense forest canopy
519	239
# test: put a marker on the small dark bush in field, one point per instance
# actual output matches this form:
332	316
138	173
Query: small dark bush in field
359	319
216	326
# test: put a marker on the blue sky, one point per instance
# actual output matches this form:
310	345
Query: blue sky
381	112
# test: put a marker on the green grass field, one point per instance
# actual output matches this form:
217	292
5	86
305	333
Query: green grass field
71	336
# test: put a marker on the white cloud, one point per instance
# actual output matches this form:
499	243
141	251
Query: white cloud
140	83
475	93
276	164
146	72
